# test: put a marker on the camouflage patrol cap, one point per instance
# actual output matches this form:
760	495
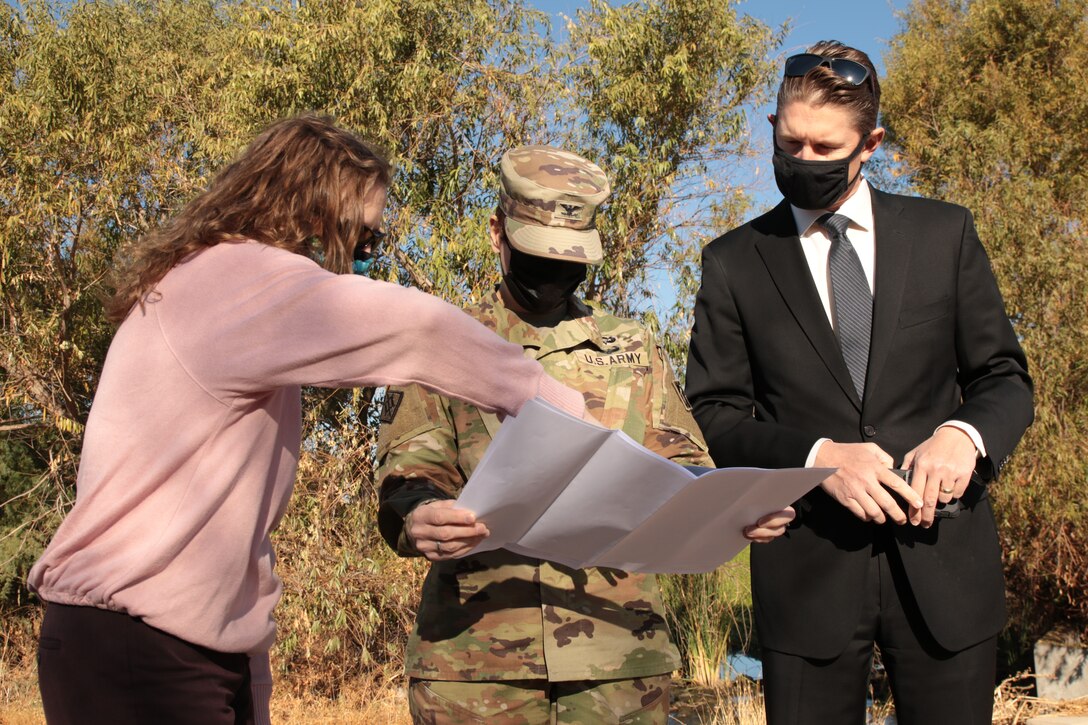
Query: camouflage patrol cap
550	198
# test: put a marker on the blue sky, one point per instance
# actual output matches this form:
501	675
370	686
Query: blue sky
865	24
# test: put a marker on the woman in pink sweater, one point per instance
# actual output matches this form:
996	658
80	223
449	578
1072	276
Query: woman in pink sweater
160	580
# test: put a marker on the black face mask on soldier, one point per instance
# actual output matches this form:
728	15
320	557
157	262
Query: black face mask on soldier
813	184
539	284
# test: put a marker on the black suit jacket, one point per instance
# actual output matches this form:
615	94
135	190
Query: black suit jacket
767	380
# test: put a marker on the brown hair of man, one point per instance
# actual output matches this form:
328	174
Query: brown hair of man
821	86
301	185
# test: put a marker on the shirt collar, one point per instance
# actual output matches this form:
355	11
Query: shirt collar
859	208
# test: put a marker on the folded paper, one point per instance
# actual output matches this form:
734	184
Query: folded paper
554	487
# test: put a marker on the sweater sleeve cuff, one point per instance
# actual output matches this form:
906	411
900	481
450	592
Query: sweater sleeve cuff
562	397
260	688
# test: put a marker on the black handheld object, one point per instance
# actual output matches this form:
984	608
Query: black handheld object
976	491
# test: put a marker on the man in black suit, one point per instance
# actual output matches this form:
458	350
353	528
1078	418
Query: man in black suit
865	341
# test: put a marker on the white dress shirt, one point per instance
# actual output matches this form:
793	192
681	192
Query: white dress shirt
816	244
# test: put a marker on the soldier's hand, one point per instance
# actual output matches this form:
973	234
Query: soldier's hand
770	527
439	530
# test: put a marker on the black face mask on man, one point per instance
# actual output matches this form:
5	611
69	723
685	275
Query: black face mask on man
813	184
541	285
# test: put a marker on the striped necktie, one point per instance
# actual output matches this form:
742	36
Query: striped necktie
851	299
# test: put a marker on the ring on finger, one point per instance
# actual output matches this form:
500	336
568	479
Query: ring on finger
438	547
947	490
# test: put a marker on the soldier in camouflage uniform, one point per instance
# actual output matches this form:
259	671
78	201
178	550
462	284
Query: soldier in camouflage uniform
506	638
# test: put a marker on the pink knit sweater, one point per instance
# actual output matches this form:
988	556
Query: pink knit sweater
191	447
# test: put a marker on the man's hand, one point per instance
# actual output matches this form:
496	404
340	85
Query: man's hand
863	467
441	531
942	467
770	527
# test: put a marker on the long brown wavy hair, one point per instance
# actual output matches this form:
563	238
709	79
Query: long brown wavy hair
302	185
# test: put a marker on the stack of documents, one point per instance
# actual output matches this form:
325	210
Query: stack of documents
554	487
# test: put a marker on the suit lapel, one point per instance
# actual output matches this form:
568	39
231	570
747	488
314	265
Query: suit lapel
780	249
892	260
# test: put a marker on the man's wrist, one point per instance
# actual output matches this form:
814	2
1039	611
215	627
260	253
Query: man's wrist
406	544
810	462
399	497
970	431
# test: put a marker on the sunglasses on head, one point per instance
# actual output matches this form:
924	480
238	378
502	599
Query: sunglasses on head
850	71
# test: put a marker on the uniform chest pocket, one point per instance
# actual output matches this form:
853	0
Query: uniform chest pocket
616	384
616	359
628	400
921	314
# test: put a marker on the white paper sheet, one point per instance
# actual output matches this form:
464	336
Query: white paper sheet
555	487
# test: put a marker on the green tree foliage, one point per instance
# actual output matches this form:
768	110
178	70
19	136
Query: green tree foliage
113	114
987	102
652	96
668	116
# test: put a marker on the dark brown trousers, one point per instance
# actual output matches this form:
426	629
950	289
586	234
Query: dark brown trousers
101	667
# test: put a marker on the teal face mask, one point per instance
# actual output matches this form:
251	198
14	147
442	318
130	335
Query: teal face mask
358	266
362	257
362	266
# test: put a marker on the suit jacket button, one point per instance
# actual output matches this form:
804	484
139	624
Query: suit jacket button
869	431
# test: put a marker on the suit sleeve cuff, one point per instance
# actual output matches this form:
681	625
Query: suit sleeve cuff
971	432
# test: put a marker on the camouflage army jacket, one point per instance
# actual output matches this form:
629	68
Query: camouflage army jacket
502	616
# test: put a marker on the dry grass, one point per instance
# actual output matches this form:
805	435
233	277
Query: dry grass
382	700
1013	705
365	703
739	702
20	703
710	615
